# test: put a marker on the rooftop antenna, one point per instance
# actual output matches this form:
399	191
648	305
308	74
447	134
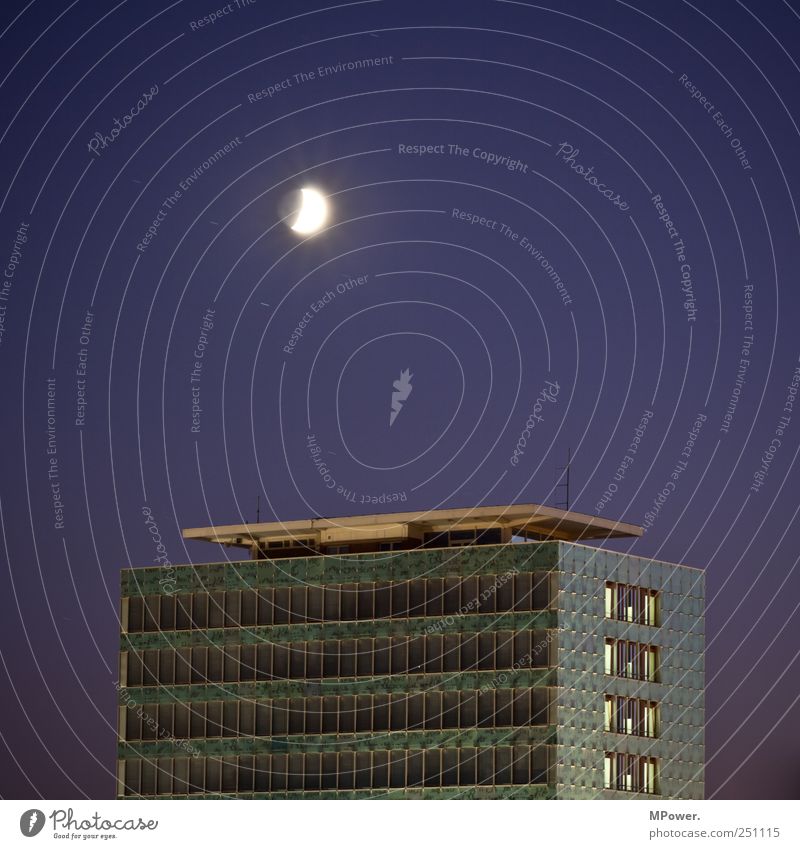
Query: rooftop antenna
258	508
562	482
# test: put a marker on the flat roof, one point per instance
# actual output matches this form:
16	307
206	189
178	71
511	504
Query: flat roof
531	521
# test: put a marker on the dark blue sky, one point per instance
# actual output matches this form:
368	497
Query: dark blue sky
607	202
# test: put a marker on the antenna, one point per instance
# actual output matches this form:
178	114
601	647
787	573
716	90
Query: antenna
562	482
258	508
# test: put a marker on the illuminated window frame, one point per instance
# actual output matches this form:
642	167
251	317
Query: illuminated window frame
630	773
629	603
629	659
637	717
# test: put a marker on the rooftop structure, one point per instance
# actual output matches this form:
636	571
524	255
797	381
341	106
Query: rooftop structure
428	529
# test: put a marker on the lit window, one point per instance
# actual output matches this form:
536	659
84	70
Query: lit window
649	785
629	659
624	715
650	714
631	773
631	604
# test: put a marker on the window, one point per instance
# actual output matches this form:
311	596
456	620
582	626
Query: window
343	771
628	603
456	538
435	540
366	713
625	715
288	543
462	537
300	603
489	536
650	719
628	659
631	773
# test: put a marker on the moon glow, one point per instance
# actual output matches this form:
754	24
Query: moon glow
313	212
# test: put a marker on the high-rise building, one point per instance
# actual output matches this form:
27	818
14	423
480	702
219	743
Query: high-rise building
477	653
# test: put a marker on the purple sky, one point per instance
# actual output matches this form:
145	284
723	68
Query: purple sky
605	201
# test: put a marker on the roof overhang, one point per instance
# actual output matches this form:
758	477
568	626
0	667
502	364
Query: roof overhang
531	521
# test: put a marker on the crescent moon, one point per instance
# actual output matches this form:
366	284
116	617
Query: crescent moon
313	212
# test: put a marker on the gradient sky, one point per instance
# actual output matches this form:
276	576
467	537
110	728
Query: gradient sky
687	115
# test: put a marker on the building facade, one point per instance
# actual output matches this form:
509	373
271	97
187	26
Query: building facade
454	654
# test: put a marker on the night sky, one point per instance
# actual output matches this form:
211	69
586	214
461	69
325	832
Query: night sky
575	224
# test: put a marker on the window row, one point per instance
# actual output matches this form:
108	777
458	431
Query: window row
631	604
456	538
277	773
275	544
634	773
430	711
435	539
631	716
318	659
629	659
337	602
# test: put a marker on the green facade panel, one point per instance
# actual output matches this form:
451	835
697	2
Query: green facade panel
328	569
